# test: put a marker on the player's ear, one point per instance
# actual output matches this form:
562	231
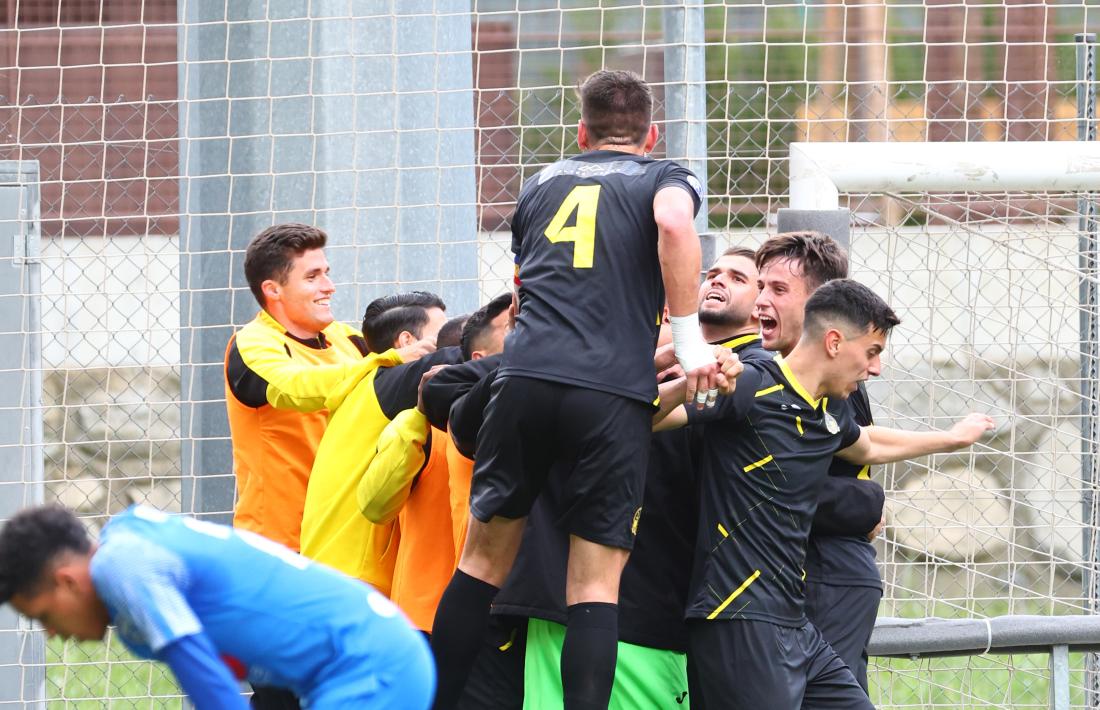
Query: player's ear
405	338
582	135
271	290
651	137
833	339
66	576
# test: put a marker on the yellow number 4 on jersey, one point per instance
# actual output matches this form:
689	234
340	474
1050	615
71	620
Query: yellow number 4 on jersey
582	199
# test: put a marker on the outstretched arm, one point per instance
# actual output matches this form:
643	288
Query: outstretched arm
878	445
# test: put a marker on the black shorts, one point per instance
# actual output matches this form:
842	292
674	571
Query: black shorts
747	665
845	616
596	442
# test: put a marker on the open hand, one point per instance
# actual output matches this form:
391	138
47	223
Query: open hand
417	350
423	381
970	428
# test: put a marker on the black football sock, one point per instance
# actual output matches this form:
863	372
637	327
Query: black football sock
460	623
588	655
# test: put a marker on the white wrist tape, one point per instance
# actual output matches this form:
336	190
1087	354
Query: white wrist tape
687	340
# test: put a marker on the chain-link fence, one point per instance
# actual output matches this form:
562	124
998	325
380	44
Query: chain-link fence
168	132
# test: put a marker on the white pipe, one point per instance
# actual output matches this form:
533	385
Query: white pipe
820	171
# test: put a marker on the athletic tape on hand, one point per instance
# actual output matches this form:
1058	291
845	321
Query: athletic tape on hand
692	352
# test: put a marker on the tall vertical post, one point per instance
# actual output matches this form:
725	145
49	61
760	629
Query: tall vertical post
22	651
1089	261
686	100
356	117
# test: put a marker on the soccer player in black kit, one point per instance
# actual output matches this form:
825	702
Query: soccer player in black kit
767	450
601	239
843	587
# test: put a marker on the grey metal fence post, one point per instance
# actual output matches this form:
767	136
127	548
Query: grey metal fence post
357	117
22	652
1089	289
686	94
1059	677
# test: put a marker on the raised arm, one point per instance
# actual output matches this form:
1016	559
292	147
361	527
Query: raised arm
261	372
878	445
681	256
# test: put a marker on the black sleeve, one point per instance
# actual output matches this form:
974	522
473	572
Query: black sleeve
450	384
249	388
734	407
397	387
848	506
468	413
849	428
675	174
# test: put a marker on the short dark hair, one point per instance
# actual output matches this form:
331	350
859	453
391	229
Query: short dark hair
747	252
29	544
451	332
386	317
271	252
819	256
479	323
616	107
851	302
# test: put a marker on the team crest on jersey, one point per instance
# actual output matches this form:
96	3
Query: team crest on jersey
831	424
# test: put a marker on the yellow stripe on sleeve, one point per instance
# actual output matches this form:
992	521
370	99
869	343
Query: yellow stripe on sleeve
725	533
864	473
736	593
766	460
798	423
769	390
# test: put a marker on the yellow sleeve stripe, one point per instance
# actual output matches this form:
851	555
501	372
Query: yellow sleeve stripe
864	473
798	423
508	644
769	390
725	533
766	460
803	575
736	593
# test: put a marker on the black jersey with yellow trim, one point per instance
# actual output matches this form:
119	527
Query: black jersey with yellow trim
765	456
838	551
654	585
590	287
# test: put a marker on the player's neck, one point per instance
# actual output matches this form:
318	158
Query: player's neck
718	334
298	330
808	367
619	148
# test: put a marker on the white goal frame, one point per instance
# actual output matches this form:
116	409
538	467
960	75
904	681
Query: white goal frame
820	172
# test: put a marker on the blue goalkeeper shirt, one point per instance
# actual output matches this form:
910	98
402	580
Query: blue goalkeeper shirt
274	617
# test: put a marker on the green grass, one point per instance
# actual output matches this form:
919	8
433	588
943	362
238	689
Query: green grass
1016	682
82	676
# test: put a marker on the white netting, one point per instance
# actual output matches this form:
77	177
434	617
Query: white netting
164	127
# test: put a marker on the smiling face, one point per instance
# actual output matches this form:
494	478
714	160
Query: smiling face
781	304
728	292
302	302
